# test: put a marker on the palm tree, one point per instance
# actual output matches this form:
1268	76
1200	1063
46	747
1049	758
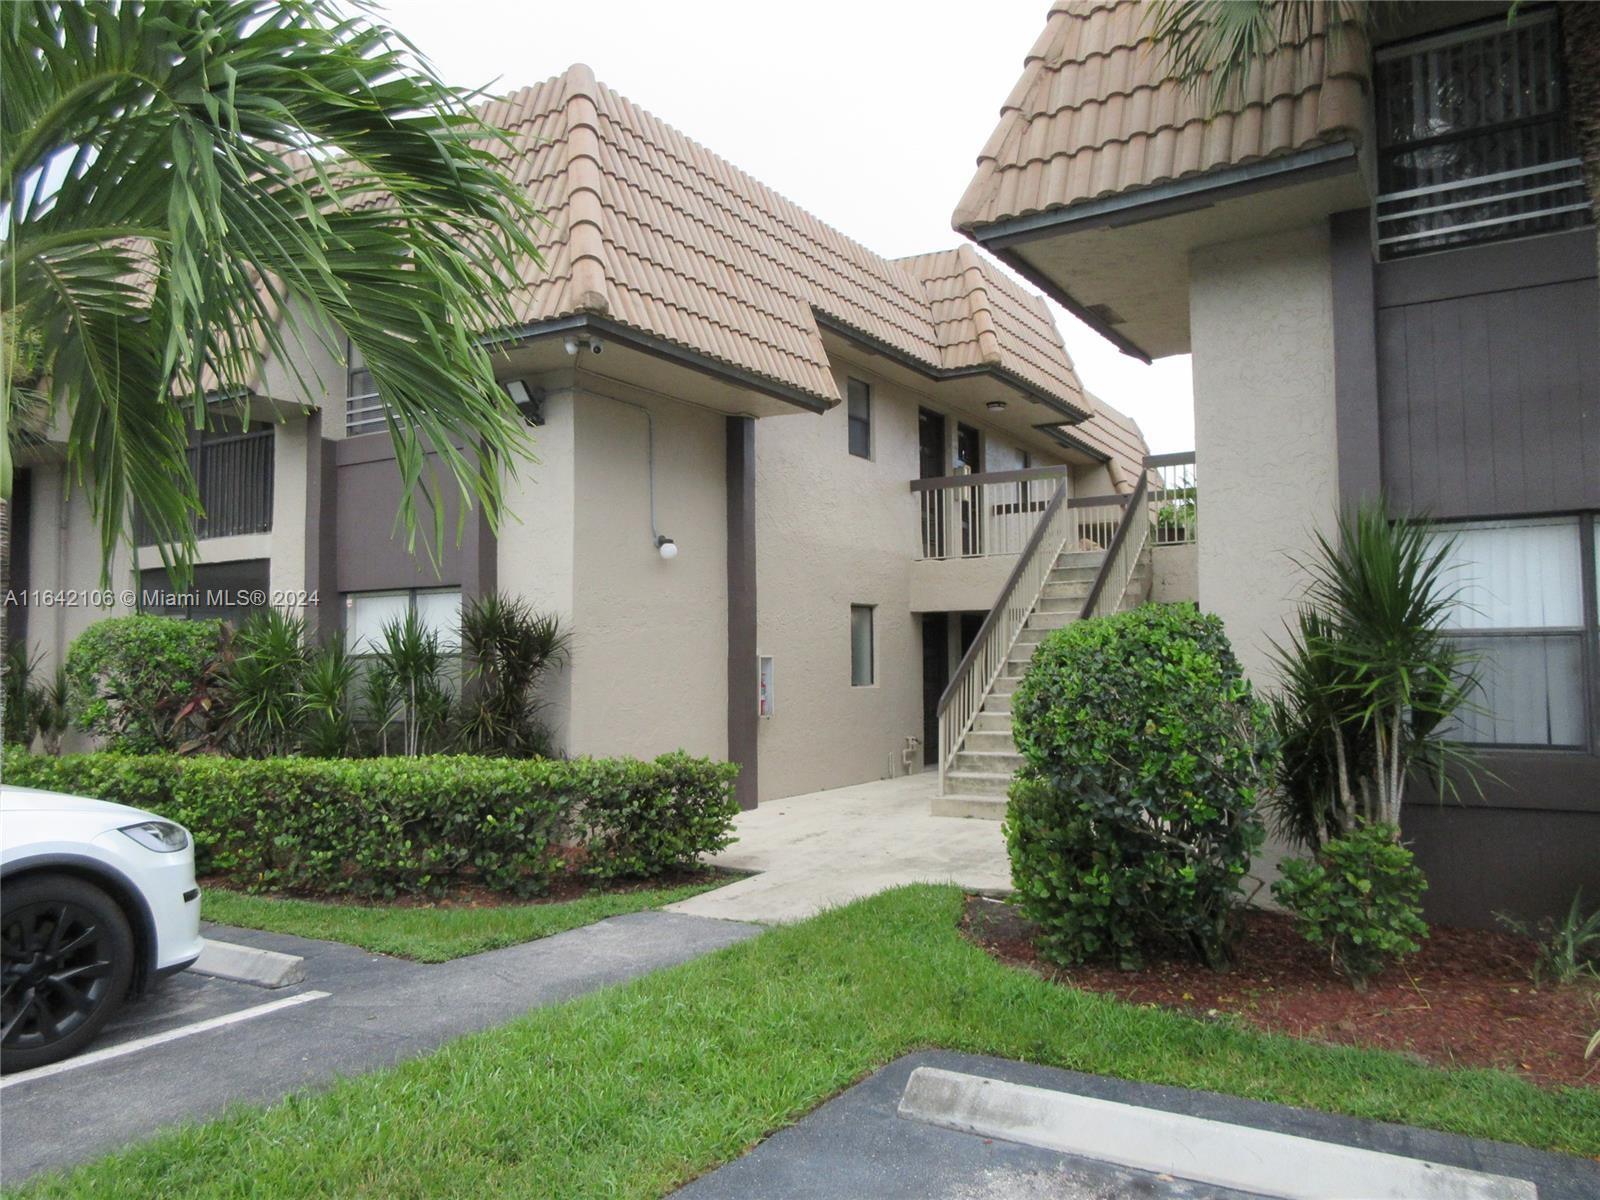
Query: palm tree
1218	43
172	173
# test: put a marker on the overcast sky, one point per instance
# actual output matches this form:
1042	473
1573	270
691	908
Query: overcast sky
869	113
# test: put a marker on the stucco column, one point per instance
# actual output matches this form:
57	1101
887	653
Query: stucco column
742	667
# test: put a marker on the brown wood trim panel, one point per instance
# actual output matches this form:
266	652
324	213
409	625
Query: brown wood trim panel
1355	357
743	721
1496	267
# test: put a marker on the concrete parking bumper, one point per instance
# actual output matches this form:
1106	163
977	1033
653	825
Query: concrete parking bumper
249	964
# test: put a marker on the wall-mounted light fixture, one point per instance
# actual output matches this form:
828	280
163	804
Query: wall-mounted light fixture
666	547
996	406
529	401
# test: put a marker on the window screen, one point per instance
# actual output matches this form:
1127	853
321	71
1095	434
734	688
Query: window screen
861	671
860	418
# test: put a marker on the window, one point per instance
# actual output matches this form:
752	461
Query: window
228	591
859	415
861	666
1521	610
1474	142
366	614
363	408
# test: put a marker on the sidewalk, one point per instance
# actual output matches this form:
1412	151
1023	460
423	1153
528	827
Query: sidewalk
828	848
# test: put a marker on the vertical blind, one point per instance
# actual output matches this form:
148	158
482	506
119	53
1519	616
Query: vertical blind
1519	612
367	613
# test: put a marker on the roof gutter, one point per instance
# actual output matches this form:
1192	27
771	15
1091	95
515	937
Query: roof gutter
1070	413
657	347
1002	238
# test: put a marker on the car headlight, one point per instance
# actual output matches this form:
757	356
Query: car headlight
161	836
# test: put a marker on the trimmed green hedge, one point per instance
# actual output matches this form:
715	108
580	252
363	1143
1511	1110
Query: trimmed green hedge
1132	822
413	826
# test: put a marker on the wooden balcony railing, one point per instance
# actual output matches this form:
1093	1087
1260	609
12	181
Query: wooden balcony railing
234	476
976	516
1174	498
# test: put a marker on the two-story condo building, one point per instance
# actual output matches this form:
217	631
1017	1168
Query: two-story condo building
779	483
1383	262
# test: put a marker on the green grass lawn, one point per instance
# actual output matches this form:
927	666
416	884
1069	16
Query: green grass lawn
431	934
635	1089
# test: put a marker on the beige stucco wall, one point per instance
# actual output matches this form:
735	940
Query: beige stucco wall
1092	481
535	549
649	662
958	584
65	553
1175	573
1261	314
834	530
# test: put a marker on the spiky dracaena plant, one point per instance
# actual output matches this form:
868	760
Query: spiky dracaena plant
327	727
262	683
407	675
509	649
1371	679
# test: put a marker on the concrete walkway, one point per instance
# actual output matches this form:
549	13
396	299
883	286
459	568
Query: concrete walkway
827	848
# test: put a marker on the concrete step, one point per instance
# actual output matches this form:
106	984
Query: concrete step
998	703
977	783
989	762
987	722
1079	558
997	741
983	808
1076	590
1049	620
1083	575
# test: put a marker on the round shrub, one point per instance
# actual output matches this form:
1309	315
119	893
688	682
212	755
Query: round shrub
1134	818
1361	897
129	677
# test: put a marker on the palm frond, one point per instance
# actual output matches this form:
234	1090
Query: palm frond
174	173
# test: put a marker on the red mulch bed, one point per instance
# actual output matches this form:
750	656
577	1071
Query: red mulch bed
569	885
1465	999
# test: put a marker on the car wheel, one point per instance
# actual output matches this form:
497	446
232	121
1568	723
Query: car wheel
66	960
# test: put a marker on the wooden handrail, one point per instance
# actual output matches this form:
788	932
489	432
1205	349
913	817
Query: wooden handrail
1028	551
1133	511
1181	459
934	483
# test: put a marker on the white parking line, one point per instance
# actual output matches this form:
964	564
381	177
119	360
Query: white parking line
157	1039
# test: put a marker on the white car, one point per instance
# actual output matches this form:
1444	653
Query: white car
97	901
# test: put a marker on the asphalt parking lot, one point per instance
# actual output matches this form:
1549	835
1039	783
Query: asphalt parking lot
858	1145
196	1045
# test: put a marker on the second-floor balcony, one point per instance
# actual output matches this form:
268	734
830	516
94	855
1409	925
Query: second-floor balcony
233	474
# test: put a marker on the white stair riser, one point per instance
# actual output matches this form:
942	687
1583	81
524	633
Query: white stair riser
991	742
964	783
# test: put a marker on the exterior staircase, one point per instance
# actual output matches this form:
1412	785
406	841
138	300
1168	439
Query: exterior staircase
981	770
